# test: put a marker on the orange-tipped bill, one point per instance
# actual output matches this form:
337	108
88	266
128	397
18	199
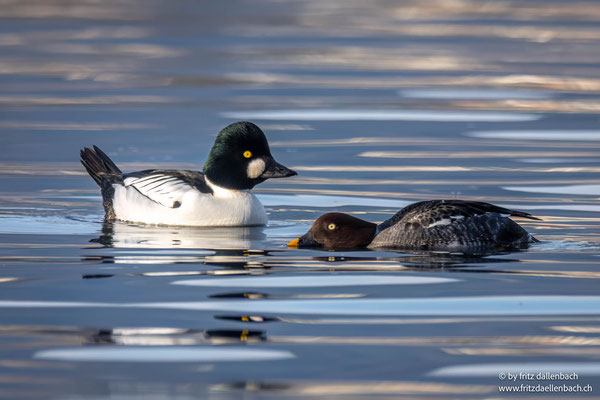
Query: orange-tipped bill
306	240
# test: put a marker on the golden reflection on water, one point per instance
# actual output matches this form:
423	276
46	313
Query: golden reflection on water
537	34
418	321
366	58
442	340
405	195
72	126
72	168
89	10
556	106
438	168
456	141
551	274
87	33
476	154
546	82
312	180
460	10
5	363
528	352
577	329
142	50
22	100
354	388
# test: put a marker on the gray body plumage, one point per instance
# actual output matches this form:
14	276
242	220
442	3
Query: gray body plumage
454	225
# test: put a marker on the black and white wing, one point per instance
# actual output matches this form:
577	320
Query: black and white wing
166	187
428	214
452	225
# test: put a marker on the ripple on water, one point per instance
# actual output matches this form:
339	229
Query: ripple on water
309	200
382	115
493	370
457	306
590	190
51	225
567	207
570	135
473	94
314	281
162	354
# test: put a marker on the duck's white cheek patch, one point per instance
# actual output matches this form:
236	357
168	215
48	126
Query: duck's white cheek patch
255	168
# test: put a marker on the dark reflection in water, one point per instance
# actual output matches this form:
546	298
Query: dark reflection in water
258	319
421	259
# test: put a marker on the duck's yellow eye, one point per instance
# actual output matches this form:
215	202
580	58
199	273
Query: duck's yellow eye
247	154
331	227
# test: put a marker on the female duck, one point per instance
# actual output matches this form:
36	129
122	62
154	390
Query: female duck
443	225
220	196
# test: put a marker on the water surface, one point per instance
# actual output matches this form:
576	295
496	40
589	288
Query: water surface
376	105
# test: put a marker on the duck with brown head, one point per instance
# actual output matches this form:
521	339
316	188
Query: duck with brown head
337	231
440	225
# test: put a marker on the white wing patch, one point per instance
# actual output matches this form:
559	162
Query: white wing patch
167	190
446	221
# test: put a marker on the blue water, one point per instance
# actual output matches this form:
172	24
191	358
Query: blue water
376	105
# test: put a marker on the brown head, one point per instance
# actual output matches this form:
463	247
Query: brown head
337	231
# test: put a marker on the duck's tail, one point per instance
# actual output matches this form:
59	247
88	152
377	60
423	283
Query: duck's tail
100	167
105	172
514	213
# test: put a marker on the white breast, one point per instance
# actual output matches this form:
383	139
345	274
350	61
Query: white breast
222	208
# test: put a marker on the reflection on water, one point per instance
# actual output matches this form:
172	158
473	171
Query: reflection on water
162	354
562	135
314	281
359	388
583	368
377	104
119	234
459	306
380	115
487	93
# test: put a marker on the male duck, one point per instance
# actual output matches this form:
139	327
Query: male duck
443	225
220	196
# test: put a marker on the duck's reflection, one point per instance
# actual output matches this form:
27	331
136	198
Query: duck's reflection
123	235
263	296
425	259
227	258
168	336
172	337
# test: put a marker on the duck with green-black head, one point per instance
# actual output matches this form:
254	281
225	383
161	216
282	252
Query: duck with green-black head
219	196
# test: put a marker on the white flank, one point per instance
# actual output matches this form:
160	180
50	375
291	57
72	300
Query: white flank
150	205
